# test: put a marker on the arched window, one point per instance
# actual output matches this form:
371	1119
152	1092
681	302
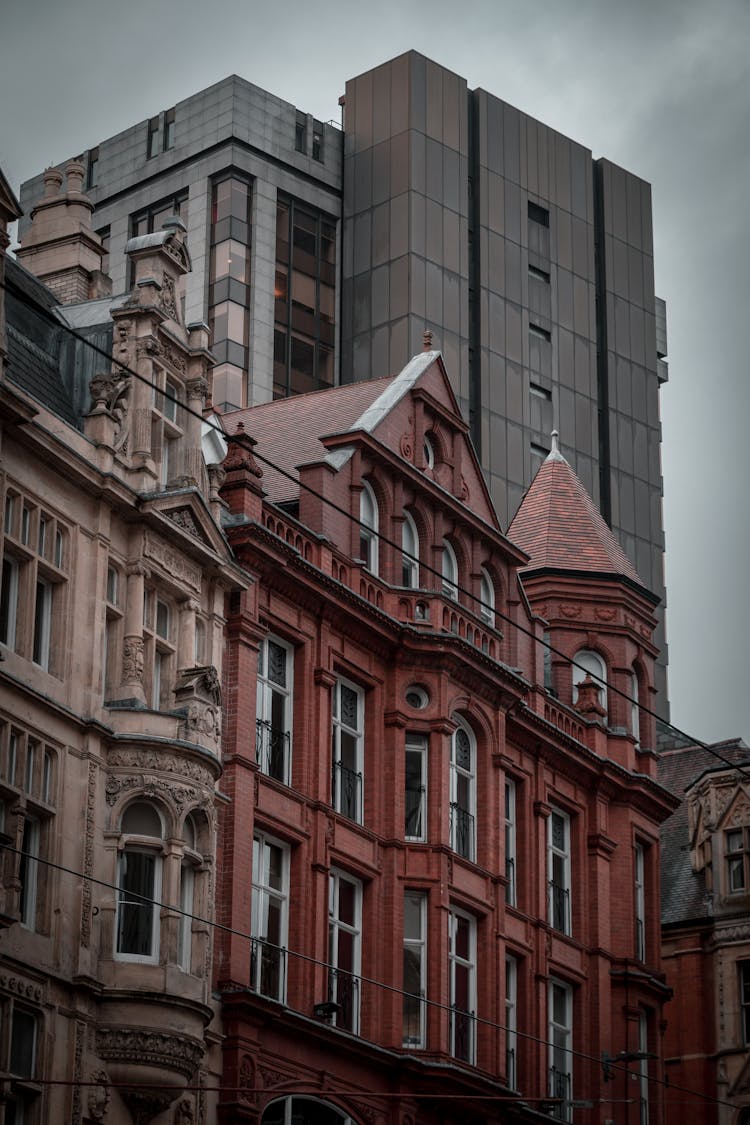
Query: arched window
487	598
410	553
368	528
303	1111
591	663
463	790
190	862
450	571
139	884
428	452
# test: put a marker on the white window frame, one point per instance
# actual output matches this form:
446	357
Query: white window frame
343	731
511	832
560	1038
415	952
266	955
463	794
449	572
737	860
273	742
409	553
337	927
511	1021
185	931
415	819
368	528
486	598
635	709
135	844
640	901
559	872
457	964
42	630
643	1068
586	661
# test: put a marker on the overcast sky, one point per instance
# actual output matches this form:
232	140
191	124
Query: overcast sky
661	87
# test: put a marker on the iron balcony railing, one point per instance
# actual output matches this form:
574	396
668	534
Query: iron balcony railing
510	885
559	904
463	1027
559	1088
462	831
267	969
272	750
347	792
343	990
510	1067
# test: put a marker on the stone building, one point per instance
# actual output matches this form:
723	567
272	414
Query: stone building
439	857
706	926
114	575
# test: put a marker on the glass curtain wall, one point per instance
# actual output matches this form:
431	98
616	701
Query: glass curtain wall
229	287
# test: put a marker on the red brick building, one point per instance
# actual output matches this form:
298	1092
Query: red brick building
438	862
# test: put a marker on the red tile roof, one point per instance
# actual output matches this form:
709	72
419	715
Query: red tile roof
558	525
288	430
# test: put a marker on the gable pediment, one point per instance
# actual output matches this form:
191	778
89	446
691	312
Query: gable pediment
185	515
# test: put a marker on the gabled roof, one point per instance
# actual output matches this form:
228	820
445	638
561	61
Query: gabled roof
560	528
289	430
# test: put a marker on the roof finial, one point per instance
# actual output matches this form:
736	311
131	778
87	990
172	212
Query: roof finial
427	340
555	445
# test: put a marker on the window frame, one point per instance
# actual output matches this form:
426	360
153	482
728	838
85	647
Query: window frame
416	745
560	1040
140	844
511	841
737	860
340	730
415	949
463	825
456	961
409	553
263	895
486	598
743	973
369	521
449	571
336	927
274	742
28	872
598	672
639	865
511	1020
559	905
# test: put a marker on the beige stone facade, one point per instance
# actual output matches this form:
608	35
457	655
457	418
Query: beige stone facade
114	579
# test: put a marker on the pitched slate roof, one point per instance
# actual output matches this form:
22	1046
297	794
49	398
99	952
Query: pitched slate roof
559	527
288	430
684	895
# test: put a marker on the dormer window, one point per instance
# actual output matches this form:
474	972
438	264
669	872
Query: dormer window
588	663
486	598
368	528
737	851
410	553
428	452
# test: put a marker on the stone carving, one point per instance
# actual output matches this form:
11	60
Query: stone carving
406	445
173	562
154	349
132	661
164	762
604	613
88	857
174	1052
80	1035
168	296
199	691
179	796
99	1095
240	452
463	491
183	1112
27	989
197	388
185	519
569	609
246	1080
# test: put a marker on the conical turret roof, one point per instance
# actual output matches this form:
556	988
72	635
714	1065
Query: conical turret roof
559	526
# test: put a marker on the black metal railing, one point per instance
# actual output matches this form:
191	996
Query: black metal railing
347	792
510	1067
462	1034
272	750
413	1019
510	876
267	969
462	831
343	990
559	1088
559	901
414	816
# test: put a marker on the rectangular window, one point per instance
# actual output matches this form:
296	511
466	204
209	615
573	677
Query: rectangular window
415	787
737	849
643	1022
169	129
640	902
269	918
415	968
23	1044
28	872
538	214
152	144
300	133
93	168
744	971
344	948
511	1022
510	842
137	905
273	729
42	623
462	943
317	141
558	870
9	602
560	1038
347	749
